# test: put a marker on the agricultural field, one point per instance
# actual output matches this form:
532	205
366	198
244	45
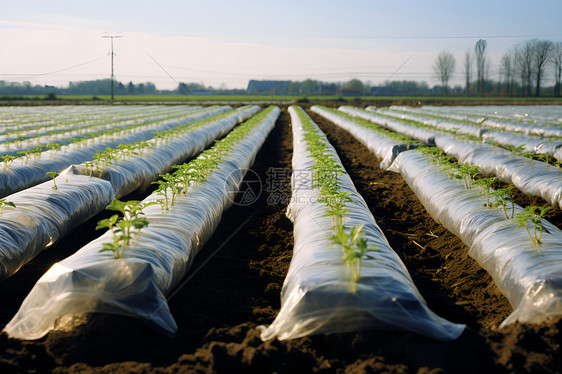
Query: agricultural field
331	238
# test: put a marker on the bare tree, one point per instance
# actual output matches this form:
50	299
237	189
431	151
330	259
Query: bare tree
486	76
467	71
506	70
443	68
556	58
542	50
524	63
480	51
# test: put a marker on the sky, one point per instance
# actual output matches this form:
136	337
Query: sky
227	43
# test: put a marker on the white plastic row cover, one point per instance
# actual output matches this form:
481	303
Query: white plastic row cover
319	294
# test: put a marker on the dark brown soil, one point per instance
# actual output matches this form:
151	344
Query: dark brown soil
236	281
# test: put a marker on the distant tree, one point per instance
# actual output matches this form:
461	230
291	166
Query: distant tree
467	71
353	87
524	63
183	89
131	88
293	88
149	88
541	54
310	86
556	58
444	67
506	70
120	88
480	51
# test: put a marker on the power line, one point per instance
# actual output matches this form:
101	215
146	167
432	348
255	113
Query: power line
24	76
336	74
463	36
180	87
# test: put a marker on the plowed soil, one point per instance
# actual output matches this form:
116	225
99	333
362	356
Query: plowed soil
235	285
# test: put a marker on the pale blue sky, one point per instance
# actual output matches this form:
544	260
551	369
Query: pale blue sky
230	42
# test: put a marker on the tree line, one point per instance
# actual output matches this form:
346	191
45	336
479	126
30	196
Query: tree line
353	87
93	87
522	69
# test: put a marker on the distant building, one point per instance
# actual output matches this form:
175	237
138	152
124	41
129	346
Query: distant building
387	91
328	89
268	87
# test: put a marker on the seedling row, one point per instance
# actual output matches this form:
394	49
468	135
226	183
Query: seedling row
517	246
344	275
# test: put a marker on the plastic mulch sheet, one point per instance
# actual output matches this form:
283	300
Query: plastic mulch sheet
459	128
44	224
129	175
21	174
319	294
529	275
422	135
136	284
538	179
385	148
43	215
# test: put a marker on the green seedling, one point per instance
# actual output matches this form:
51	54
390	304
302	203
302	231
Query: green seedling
530	156
54	174
37	152
55	147
492	141
529	214
337	212
355	249
25	154
516	151
485	185
163	187
464	172
4	203
122	226
7	160
172	183
141	146
127	150
75	142
89	165
544	158
434	155
502	196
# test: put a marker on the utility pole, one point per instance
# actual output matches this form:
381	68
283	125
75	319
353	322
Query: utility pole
112	54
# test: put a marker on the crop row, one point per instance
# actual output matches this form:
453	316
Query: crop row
532	120
517	246
45	213
17	143
533	177
344	276
32	169
76	117
20	120
135	282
